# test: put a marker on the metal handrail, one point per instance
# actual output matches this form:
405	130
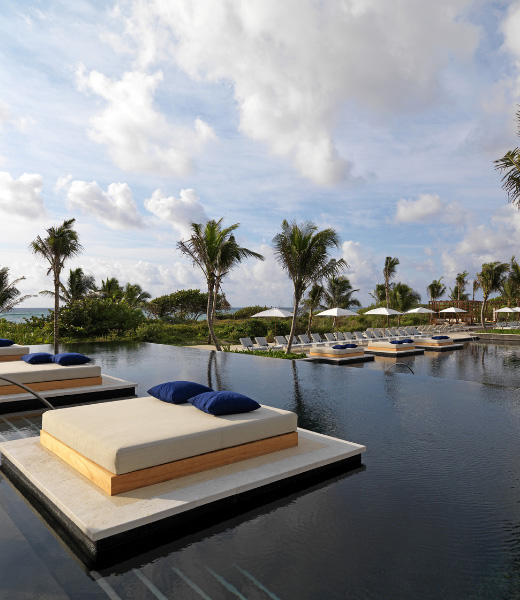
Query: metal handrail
46	402
399	363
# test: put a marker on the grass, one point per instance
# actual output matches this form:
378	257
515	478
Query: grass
502	331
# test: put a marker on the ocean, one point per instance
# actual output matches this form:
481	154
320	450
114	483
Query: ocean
17	315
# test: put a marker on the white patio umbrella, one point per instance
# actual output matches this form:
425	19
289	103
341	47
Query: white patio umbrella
336	312
506	309
273	313
452	310
420	311
383	311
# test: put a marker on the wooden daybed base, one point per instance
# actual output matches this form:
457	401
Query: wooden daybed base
114	484
42	386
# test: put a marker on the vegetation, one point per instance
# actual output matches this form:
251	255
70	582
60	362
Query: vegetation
303	252
389	272
248	311
490	278
509	164
216	252
403	298
183	305
313	303
9	293
60	244
436	289
78	286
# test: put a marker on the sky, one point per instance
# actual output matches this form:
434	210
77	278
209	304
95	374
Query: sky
379	118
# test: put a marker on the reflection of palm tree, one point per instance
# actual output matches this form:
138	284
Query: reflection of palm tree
60	244
213	364
9	293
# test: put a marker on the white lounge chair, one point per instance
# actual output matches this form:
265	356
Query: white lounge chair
317	339
247	344
295	343
280	341
349	337
261	341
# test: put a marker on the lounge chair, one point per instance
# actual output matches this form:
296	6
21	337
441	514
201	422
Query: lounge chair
360	336
304	339
380	334
261	341
349	337
414	332
317	339
295	343
391	333
280	341
370	335
247	344
330	338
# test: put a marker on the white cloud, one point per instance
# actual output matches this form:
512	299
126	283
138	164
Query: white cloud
22	196
138	137
178	212
428	208
295	65
364	272
115	207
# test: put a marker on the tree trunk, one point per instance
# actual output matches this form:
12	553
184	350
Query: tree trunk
483	311
56	311
387	294
209	317
310	323
293	324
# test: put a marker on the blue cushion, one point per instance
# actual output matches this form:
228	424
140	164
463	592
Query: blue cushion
339	347
4	342
349	345
396	341
407	341
37	358
440	337
224	403
177	392
66	359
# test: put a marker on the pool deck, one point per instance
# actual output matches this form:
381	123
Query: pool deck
94	524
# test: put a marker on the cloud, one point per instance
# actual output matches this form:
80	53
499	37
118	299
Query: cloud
295	65
364	272
115	208
178	212
138	138
22	196
428	208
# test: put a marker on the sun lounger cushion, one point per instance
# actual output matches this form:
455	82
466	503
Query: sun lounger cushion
177	392
224	403
127	435
14	350
37	358
65	359
23	372
4	342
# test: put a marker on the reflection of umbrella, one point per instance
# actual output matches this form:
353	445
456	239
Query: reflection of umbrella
272	313
506	310
337	312
420	311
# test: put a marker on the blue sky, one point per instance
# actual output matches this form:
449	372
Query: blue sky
381	119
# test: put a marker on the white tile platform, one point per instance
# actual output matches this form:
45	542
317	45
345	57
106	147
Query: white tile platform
94	517
110	387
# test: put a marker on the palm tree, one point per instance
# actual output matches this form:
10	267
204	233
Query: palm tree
389	272
77	287
510	291
60	244
436	289
9	293
514	271
216	252
475	287
460	285
510	163
303	252
490	279
379	293
457	295
403	298
110	288
313	302
338	293
135	296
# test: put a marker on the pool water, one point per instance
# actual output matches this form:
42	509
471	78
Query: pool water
433	513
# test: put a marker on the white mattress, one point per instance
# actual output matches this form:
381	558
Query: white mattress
128	435
13	350
388	345
23	372
337	351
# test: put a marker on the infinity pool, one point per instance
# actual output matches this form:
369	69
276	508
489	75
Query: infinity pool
433	513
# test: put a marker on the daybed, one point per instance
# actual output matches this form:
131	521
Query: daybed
432	343
128	444
389	347
14	352
47	376
336	352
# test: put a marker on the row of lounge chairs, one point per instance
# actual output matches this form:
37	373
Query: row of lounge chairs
303	341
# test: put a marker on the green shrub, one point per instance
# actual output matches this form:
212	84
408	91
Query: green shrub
248	311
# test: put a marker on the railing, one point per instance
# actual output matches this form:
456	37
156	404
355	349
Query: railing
24	387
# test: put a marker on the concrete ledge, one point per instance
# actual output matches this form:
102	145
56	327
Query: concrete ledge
111	387
102	529
395	354
505	337
445	348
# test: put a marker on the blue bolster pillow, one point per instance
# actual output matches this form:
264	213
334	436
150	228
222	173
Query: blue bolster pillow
223	403
339	347
396	341
4	342
37	358
178	392
441	337
66	359
407	341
